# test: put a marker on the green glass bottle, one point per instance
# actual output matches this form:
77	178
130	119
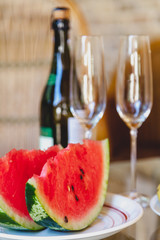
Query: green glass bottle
56	119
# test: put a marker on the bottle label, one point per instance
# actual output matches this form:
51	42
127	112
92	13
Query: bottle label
75	131
46	138
51	79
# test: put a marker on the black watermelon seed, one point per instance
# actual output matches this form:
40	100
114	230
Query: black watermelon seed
77	199
72	188
81	177
65	219
82	171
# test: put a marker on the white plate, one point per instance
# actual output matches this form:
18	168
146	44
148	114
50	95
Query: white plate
155	204
118	213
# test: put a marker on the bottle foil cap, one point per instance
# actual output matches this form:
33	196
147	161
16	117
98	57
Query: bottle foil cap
61	13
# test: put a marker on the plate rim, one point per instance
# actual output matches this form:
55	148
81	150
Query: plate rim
89	235
154	200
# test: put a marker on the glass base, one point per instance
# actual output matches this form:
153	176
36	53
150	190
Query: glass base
142	199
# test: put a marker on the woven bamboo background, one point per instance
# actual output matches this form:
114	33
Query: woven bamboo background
25	56
26	50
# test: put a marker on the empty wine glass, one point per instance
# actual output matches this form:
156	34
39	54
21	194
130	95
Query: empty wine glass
134	94
88	88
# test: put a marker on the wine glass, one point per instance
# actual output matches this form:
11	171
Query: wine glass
134	94
88	87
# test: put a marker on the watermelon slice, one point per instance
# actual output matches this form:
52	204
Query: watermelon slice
71	189
16	167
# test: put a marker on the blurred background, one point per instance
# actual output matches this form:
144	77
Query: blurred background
25	57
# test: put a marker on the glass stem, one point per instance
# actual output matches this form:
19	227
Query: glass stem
133	156
88	133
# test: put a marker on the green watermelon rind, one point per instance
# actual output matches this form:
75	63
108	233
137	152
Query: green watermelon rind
36	210
6	221
10	219
41	214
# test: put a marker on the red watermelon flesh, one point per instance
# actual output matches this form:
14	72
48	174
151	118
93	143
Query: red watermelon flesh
72	187
16	167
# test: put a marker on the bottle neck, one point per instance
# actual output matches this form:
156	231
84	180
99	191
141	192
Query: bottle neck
61	27
60	43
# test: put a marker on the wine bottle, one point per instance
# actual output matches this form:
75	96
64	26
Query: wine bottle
57	125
